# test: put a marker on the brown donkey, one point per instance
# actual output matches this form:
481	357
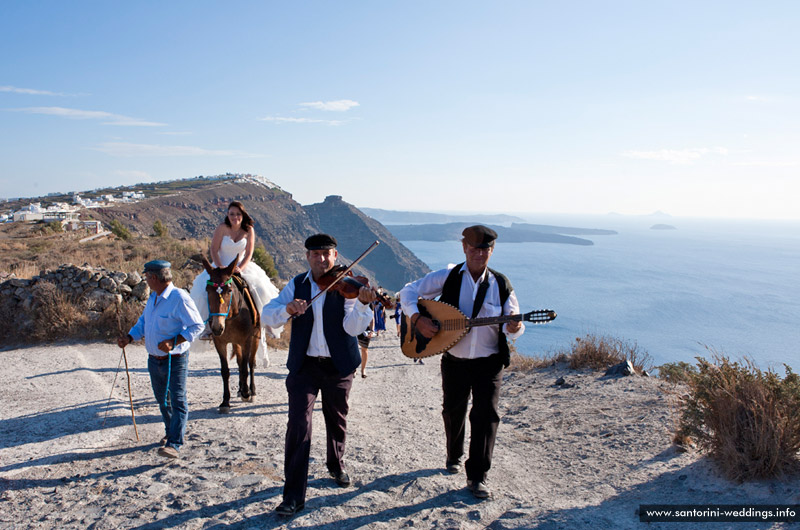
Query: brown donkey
232	322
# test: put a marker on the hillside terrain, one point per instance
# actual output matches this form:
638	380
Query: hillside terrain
193	209
281	224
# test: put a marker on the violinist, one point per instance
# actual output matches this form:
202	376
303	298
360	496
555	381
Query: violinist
474	365
323	357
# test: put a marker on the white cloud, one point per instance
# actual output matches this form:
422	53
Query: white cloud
132	174
126	149
78	114
340	105
29	91
676	156
280	119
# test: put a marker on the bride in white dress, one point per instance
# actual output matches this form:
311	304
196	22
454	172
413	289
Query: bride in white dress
236	239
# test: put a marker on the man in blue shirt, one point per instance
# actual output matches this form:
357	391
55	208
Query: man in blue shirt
169	322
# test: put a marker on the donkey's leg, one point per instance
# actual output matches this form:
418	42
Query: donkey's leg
253	344
244	391
222	351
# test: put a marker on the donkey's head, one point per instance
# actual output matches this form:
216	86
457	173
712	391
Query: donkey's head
219	289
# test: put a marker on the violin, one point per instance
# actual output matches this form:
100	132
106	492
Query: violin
349	285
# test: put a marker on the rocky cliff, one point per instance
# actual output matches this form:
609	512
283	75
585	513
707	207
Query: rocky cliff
391	263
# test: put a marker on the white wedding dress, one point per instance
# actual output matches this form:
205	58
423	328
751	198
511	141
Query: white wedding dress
261	288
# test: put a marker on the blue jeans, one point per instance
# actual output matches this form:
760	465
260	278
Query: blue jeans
176	410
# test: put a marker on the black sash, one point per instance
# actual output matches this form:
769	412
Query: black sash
482	288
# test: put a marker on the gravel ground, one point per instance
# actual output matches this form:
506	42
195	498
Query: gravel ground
585	456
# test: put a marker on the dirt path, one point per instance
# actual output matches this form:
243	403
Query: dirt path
565	458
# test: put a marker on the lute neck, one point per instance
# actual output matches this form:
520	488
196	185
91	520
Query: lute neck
489	321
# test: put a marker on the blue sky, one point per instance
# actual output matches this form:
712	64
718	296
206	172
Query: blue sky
575	107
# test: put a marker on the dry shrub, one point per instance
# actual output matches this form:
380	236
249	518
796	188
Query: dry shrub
523	363
27	254
25	269
592	351
746	419
116	320
55	315
601	352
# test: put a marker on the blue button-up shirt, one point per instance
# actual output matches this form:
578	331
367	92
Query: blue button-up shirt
166	316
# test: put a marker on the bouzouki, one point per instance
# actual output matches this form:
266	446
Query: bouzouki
453	325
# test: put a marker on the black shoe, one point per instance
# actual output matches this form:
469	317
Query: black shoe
289	507
479	489
341	477
453	467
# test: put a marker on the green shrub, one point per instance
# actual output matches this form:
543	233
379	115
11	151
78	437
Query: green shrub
677	373
49	228
160	229
263	259
119	230
747	420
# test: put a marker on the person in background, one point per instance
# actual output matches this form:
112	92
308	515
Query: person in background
398	314
323	356
474	365
363	344
379	318
169	323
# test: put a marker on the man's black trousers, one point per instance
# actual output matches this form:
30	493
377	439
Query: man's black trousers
482	378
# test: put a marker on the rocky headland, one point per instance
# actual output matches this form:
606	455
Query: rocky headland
516	233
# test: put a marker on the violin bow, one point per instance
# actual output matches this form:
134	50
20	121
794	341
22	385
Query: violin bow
346	270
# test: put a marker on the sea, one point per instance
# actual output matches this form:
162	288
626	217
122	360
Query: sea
706	287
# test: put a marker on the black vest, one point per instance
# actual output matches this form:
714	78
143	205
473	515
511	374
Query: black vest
343	347
451	293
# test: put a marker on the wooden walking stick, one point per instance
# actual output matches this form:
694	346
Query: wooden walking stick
113	384
130	395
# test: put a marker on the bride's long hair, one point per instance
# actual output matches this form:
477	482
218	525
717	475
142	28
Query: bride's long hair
247	221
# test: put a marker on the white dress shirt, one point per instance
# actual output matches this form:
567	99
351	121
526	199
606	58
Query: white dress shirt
481	341
357	316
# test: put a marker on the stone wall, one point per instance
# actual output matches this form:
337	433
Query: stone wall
93	287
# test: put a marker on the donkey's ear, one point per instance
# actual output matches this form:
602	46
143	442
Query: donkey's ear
231	265
207	266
